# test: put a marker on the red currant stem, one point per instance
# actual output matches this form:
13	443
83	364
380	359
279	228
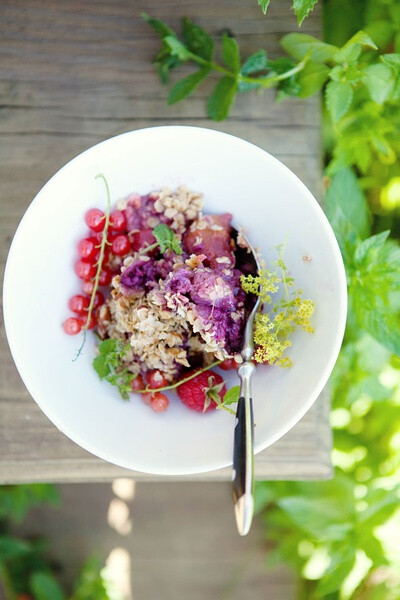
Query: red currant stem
99	264
146	390
148	248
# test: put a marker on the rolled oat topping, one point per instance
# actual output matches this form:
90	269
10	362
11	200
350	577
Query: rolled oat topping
175	310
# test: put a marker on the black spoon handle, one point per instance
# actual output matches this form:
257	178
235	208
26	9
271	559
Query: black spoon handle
243	465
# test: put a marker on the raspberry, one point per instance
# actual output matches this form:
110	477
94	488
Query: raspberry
204	392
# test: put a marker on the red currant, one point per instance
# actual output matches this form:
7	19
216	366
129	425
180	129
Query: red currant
79	304
137	383
88	287
143	238
88	249
155	380
146	397
159	402
98	300
95	219
228	364
117	221
85	270
72	325
120	245
105	277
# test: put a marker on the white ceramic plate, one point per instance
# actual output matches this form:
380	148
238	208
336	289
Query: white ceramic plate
265	197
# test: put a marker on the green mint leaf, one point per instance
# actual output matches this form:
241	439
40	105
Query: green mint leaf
391	59
166	239
339	96
255	63
368	250
380	81
221	100
264	5
342	562
302	8
232	396
300	45
44	586
230	53
177	48
159	26
311	78
107	346
383	326
101	366
345	200
11	548
185	86
352	49
197	39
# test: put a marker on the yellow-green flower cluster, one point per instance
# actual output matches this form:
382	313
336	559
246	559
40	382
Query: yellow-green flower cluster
272	330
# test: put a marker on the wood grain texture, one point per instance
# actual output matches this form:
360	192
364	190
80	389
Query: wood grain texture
73	73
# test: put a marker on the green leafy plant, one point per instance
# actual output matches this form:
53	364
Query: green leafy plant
338	535
108	364
26	573
301	8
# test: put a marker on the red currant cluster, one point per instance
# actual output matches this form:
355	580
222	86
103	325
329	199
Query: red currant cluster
86	266
155	380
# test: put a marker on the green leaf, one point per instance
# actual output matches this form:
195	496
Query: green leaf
300	45
230	53
338	98
381	32
255	63
312	78
221	100
232	395
11	548
177	48
44	586
197	39
392	59
380	81
159	26
101	366
384	327
166	239
264	5
352	49
343	557
302	8
382	503
185	86
91	585
345	200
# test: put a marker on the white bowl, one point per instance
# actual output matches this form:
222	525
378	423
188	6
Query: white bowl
266	198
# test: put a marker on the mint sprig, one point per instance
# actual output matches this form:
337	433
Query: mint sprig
197	47
108	365
166	239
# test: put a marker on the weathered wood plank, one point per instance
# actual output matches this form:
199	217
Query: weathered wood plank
74	73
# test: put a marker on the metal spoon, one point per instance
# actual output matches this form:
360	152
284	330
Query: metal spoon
243	446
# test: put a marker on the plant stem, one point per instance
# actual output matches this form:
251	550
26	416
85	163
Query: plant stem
178	383
148	248
99	264
264	82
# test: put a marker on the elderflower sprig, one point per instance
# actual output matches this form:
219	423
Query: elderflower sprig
272	330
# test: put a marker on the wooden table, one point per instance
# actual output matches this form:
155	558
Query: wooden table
75	72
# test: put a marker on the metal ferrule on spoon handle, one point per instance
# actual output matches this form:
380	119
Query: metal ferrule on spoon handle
243	454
